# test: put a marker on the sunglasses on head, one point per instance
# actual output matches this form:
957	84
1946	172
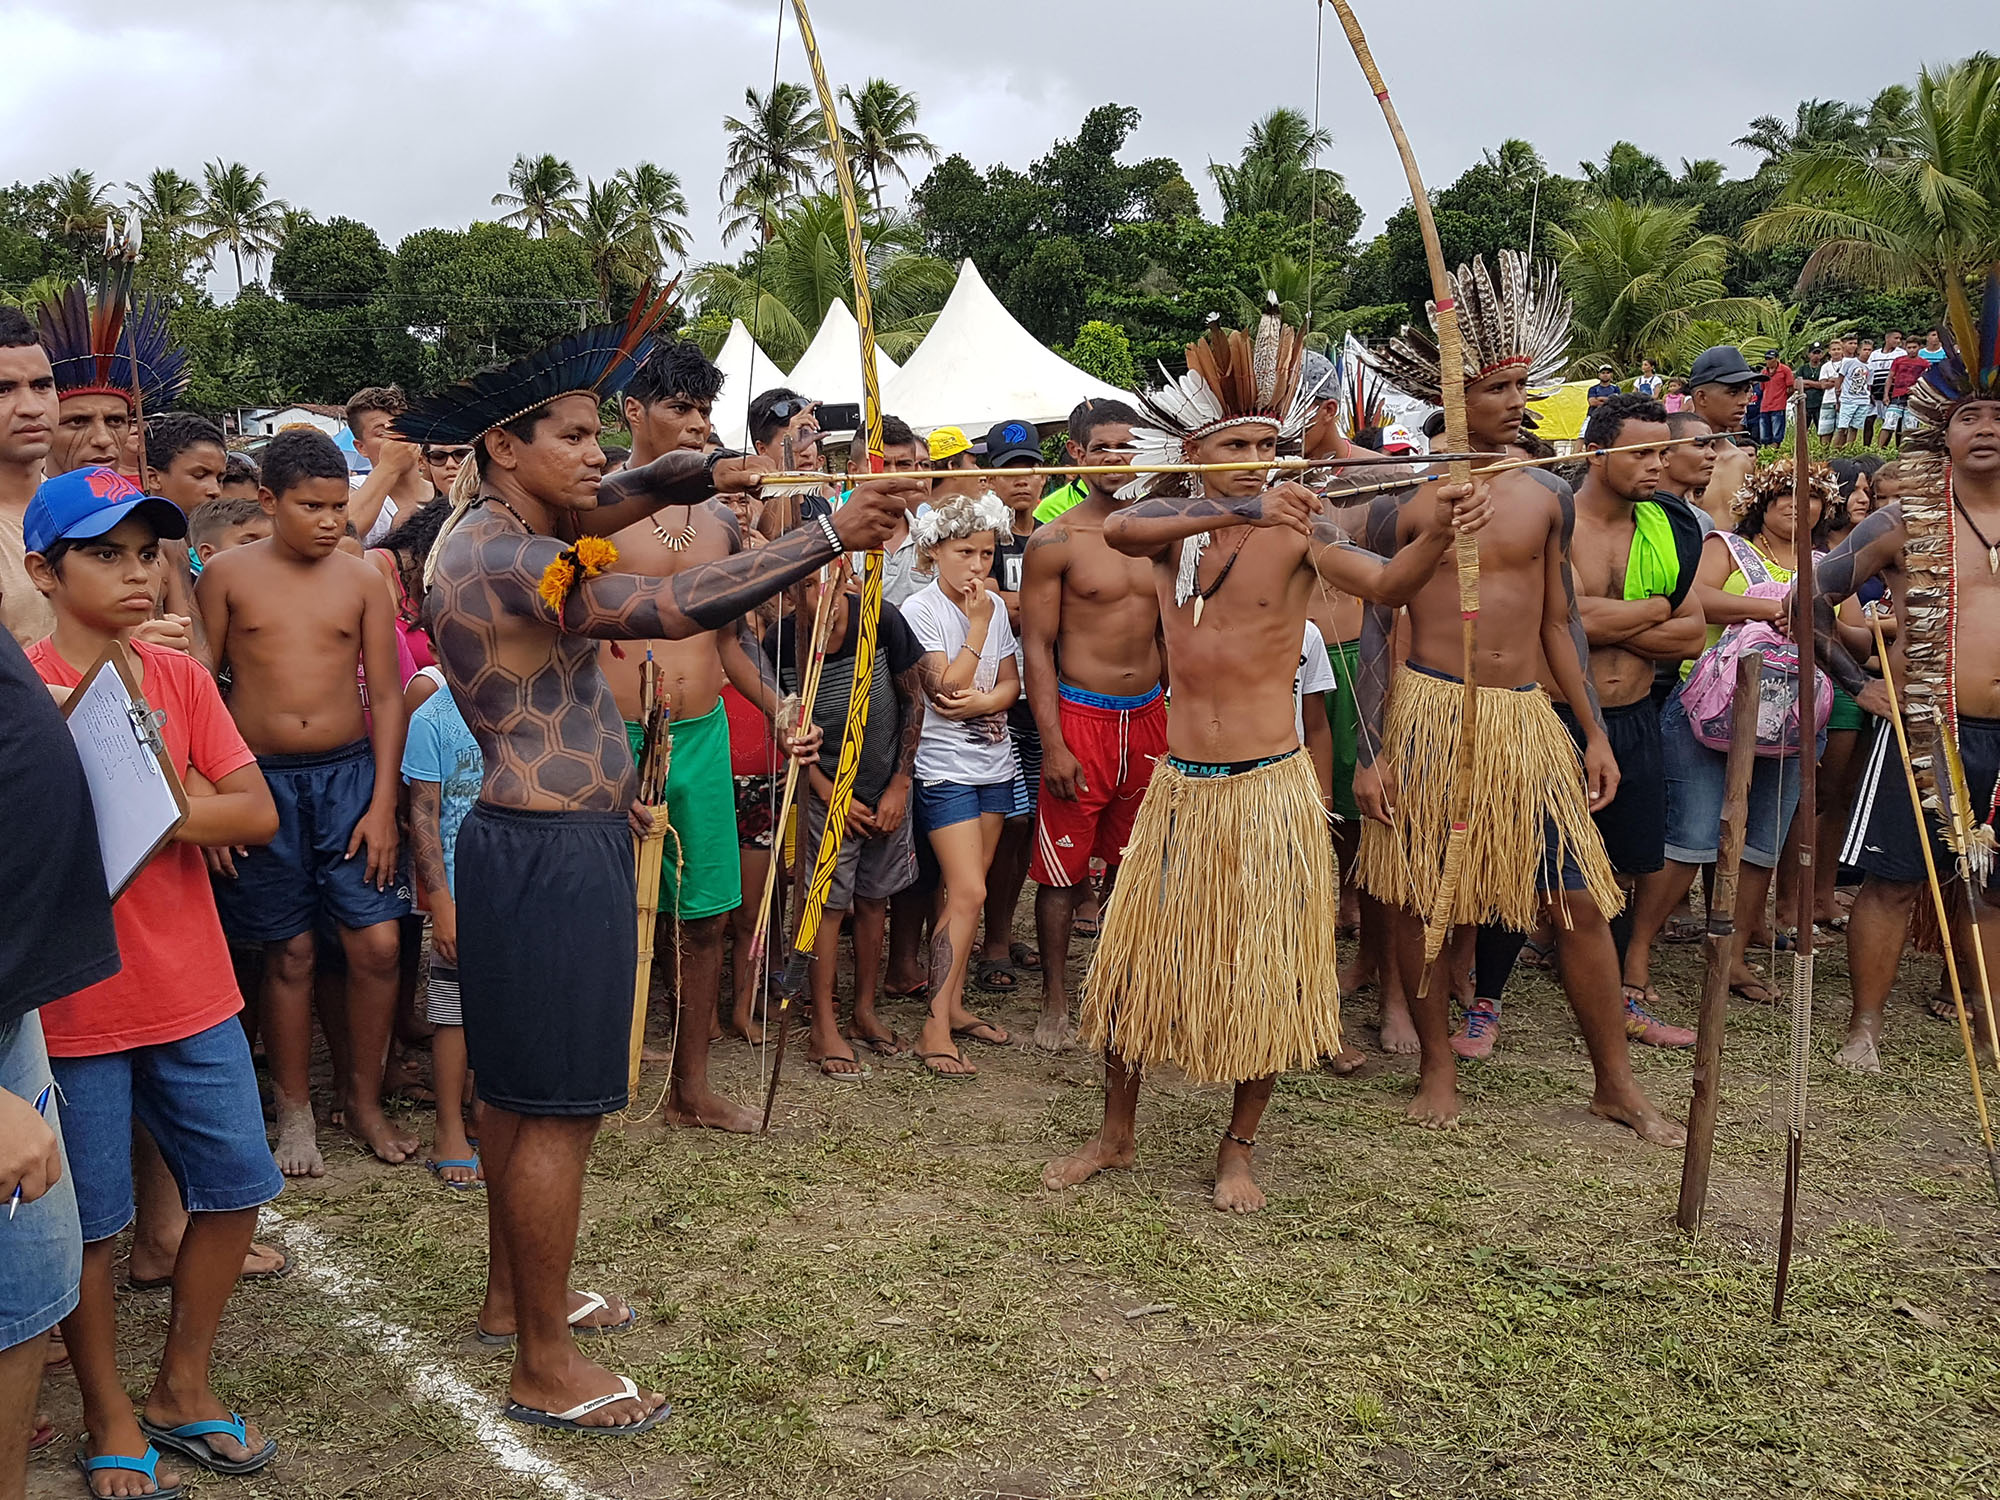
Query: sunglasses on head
784	411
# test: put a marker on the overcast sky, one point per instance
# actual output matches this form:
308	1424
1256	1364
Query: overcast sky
407	113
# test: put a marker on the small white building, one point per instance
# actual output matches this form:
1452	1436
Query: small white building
269	421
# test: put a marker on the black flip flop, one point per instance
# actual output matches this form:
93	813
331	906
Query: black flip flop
567	1421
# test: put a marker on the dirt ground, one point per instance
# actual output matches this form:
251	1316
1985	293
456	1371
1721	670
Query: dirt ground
881	1302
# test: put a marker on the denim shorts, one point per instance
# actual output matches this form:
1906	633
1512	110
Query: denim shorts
1694	776
198	1099
943	803
41	1253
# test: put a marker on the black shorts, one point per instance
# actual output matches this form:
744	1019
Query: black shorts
1634	826
1882	834
548	950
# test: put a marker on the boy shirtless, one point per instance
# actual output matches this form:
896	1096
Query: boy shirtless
1096	610
668	403
294	616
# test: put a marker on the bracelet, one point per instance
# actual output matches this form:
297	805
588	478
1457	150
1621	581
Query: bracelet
832	536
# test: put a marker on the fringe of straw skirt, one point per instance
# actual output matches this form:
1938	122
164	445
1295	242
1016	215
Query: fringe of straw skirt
1530	817
1217	951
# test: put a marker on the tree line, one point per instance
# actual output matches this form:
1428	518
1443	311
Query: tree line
1853	215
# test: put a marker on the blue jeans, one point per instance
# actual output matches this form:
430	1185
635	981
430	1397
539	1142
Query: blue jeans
41	1252
197	1097
1694	777
1769	427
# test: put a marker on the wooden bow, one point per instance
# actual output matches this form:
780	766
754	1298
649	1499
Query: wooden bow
1451	372
813	904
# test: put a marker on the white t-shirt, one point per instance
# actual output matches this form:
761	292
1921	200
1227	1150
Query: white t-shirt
1830	370
1315	675
1648	386
385	522
1853	379
970	752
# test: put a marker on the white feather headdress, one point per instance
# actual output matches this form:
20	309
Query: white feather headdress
958	516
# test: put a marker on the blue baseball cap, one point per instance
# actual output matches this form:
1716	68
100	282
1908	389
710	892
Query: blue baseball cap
88	502
1007	441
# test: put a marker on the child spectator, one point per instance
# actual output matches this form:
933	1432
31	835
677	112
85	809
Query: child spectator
441	762
157	1042
965	761
225	522
239	478
185	459
877	852
400	559
297	619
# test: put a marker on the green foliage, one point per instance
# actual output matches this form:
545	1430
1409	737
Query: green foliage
1103	350
880	131
332	265
489	293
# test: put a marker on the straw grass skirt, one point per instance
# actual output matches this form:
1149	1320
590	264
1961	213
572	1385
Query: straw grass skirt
1217	951
1528	794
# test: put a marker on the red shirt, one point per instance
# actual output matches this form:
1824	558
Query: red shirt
1777	388
752	750
1904	375
176	981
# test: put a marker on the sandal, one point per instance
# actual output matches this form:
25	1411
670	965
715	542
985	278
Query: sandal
931	1059
881	1046
1084	927
1024	956
855	1072
982	1031
147	1466
570	1421
995	977
468	1163
190	1440
592	1302
1768	997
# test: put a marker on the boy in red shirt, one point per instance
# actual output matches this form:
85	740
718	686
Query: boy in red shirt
159	1040
1909	367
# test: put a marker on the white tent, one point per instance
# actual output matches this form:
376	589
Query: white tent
746	370
830	370
977	366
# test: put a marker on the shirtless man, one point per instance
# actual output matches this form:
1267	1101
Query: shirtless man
1217	952
544	860
1686	468
1634	566
29	408
1719	393
667	404
1527	626
1882	841
398	482
1090	623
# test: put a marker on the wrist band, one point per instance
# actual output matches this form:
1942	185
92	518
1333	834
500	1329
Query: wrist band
832	536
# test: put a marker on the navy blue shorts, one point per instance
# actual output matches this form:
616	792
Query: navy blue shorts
943	803
283	887
198	1098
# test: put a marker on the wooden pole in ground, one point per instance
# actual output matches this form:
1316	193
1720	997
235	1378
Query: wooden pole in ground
1721	944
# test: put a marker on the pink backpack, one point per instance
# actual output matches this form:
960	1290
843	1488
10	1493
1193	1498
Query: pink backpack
1709	695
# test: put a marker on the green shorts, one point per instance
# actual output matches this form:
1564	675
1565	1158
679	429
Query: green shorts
1343	713
704	876
1846	713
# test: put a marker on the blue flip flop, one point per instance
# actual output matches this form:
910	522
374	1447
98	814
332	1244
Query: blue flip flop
148	1466
190	1440
437	1170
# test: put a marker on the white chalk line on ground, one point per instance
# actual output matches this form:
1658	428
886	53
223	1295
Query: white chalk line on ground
350	1286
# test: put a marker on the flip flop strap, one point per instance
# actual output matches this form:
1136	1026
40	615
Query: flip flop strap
627	1392
233	1428
125	1464
592	1302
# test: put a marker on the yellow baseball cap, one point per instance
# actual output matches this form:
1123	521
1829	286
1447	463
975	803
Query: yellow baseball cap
948	442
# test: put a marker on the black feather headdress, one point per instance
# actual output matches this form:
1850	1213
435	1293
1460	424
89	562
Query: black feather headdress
97	351
595	361
1519	318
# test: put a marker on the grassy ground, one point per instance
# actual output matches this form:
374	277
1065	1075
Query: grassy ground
880	1300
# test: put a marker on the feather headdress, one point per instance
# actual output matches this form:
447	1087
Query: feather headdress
958	516
1773	481
592	362
96	351
1520	318
1964	374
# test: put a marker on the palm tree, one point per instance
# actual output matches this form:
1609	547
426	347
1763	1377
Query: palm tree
1923	211
236	212
1516	164
784	287
48	287
603	222
1816	122
882	131
658	204
541	190
1639	273
1276	170
168	205
1889	114
1629	174
776	147
759	204
1307	301
80	206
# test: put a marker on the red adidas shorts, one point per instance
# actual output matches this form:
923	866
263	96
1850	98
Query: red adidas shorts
1116	748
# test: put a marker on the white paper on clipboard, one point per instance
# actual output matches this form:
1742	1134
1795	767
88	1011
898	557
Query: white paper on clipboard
134	790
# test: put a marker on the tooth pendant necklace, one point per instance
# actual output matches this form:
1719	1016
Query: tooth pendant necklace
679	539
1992	549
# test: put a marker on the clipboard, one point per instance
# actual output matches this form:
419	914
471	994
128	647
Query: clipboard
134	788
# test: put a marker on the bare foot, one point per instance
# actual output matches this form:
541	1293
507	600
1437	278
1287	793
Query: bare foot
1054	1031
1436	1106
1355	978
1399	1033
709	1111
1645	1121
1236	1191
372	1129
653	1056
1861	1054
1094	1156
1346	1062
747	1026
297	1151
583	1381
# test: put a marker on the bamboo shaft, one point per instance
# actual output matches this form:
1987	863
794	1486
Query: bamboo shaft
1721	945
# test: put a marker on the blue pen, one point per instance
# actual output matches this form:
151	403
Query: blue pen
41	1104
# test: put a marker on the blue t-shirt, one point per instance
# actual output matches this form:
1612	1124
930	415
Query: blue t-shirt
440	748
